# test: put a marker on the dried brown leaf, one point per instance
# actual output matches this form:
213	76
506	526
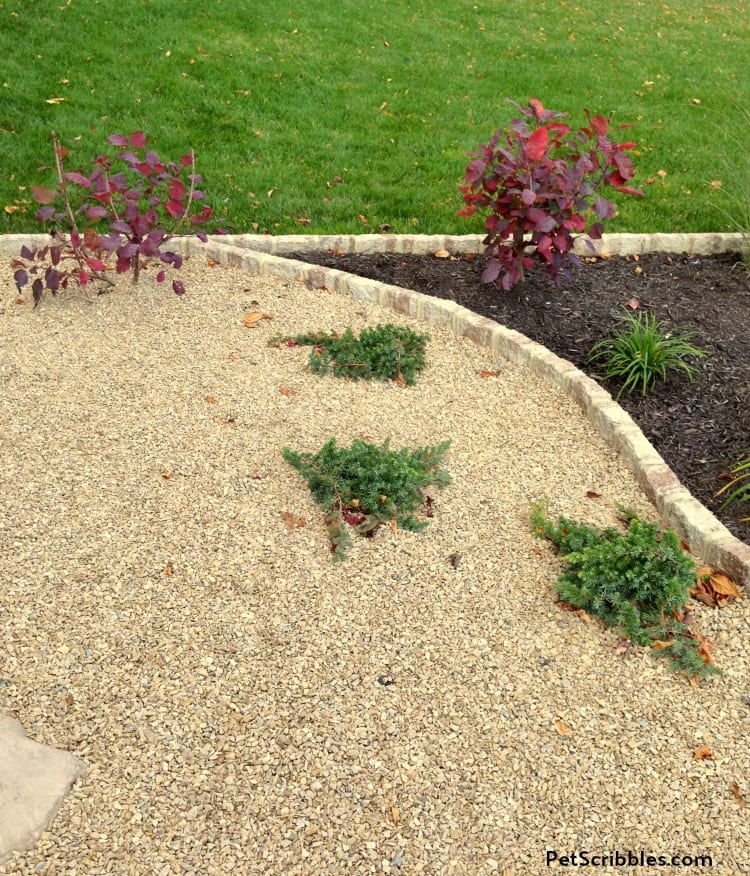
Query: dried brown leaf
562	728
252	319
739	796
292	521
703	753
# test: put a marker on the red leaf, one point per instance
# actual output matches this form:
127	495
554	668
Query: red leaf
536	105
590	494
536	145
137	140
43	195
174	208
78	179
600	125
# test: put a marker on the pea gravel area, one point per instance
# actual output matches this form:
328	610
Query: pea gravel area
245	705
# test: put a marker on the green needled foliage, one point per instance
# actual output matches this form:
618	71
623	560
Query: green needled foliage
386	352
639	581
366	485
642	352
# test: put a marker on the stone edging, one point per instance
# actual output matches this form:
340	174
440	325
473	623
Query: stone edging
708	538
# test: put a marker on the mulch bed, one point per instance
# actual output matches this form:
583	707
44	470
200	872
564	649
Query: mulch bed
701	428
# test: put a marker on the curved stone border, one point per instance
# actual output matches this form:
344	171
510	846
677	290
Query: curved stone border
708	538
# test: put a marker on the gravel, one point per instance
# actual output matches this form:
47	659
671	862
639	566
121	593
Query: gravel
245	705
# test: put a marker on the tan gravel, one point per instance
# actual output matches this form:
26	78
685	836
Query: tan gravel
243	704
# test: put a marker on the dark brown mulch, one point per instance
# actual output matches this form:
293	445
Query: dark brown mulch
701	428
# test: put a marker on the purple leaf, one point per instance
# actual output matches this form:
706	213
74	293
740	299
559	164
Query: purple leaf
491	271
178	287
78	179
137	140
27	254
117	140
44	214
161	277
36	290
21	278
96	212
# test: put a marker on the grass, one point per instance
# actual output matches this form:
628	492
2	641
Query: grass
304	118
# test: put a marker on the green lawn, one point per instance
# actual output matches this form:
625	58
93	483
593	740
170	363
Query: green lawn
324	118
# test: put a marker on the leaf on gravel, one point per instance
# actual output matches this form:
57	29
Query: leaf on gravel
486	373
574	609
168	571
714	588
703	753
292	521
739	796
562	728
285	390
442	254
252	319
395	814
211	400
658	645
590	494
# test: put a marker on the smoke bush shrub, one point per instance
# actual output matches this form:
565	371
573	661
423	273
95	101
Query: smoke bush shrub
538	183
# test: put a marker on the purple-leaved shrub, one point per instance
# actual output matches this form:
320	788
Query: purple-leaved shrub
537	182
114	217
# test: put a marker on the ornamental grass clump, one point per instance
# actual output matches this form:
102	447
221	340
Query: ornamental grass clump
386	352
738	488
642	352
366	485
638	581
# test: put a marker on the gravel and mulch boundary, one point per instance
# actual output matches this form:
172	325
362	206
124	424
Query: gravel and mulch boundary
242	703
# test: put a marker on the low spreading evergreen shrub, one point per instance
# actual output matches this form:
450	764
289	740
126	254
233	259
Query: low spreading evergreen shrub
638	580
365	485
386	352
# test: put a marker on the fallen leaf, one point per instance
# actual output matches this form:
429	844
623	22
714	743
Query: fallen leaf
442	254
168	571
167	475
270	192
395	814
590	494
69	700
400	379
454	559
735	789
56	100
211	400
562	728
285	390
362	218
20	300
252	319
10	208
703	753
486	373
715	184
633	303
231	357
661	646
292	521
714	588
